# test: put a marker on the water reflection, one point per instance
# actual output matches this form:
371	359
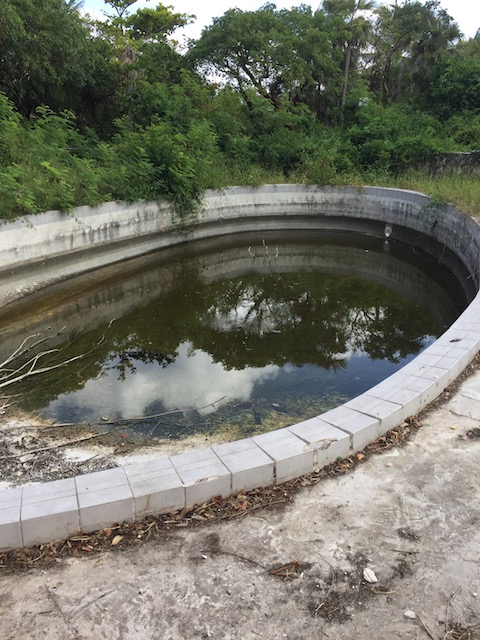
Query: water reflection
238	332
193	381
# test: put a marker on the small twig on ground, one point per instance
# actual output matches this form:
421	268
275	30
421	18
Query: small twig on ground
379	592
289	571
244	558
34	427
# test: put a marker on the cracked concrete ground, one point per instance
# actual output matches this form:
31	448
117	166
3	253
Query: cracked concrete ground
411	515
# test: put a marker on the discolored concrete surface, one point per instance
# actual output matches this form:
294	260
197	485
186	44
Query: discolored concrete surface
412	515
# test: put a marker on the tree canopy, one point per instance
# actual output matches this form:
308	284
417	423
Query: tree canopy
94	110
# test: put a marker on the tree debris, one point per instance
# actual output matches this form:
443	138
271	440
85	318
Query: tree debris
241	505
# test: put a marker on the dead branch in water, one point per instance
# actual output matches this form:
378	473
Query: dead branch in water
164	413
10	374
29	369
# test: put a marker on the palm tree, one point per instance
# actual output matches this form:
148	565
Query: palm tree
74	6
357	30
431	46
411	39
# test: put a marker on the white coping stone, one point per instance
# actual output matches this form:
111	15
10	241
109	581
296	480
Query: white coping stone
328	442
462	352
104	498
362	428
49	511
388	413
452	364
249	465
473	326
469	318
203	474
439	375
426	388
10	530
410	399
467	334
443	348
428	358
156	487
458	333
293	456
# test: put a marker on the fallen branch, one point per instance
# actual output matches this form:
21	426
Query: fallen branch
10	376
164	413
34	427
57	446
240	557
32	371
23	348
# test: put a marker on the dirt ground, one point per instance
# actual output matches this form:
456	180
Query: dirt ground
410	517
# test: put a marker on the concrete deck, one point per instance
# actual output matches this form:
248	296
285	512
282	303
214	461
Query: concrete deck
410	514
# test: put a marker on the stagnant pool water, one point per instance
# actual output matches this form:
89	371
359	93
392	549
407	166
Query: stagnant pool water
238	335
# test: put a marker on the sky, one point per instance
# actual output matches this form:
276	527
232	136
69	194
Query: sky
465	12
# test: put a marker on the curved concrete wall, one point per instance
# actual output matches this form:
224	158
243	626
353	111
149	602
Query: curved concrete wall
51	247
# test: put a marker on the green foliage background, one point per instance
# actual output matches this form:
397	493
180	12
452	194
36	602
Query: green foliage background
349	93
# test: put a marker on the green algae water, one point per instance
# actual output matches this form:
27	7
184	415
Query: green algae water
233	335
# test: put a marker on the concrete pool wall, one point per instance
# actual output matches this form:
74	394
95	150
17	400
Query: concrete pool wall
44	249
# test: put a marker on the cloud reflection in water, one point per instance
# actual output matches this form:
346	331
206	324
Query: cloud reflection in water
193	381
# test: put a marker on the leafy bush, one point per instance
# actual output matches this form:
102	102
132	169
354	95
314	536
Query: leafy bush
40	168
464	131
390	139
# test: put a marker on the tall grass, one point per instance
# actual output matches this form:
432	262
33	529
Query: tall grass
463	191
254	175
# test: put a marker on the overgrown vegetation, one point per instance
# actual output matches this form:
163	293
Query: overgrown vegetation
349	93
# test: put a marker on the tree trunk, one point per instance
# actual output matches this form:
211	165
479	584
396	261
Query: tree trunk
345	82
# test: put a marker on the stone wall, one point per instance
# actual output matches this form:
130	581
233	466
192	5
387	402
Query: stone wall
466	163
